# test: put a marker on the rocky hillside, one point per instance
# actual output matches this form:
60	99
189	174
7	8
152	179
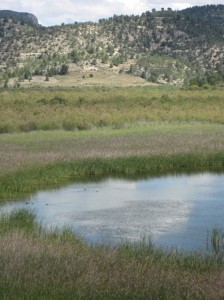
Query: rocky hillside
160	46
19	16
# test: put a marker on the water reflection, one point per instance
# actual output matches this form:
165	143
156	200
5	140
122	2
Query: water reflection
174	210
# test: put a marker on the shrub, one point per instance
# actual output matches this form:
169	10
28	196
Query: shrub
30	126
68	125
58	100
64	70
6	129
193	87
206	86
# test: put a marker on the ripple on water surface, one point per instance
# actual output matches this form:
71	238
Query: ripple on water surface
175	211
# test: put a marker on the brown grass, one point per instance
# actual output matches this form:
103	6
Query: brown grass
21	150
63	267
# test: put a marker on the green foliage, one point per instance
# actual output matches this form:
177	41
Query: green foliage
208	79
58	100
119	59
27	181
5	85
75	57
159	67
35	109
64	70
18	219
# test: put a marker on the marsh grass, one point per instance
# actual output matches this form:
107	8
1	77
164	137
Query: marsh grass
38	264
38	160
144	135
21	150
84	108
141	131
217	242
29	180
21	220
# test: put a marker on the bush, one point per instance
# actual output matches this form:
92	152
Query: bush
6	129
193	87
28	127
68	125
64	70
58	100
206	86
42	101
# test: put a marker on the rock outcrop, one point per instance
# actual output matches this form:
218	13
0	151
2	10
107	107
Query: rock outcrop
19	16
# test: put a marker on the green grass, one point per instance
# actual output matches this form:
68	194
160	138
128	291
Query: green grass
21	150
40	264
101	77
21	183
86	108
42	159
18	220
52	137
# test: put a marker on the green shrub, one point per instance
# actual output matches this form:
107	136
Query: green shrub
57	100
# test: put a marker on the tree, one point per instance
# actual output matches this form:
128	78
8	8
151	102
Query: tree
74	56
6	83
64	69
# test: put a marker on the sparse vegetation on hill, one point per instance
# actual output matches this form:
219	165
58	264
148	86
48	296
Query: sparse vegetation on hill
160	46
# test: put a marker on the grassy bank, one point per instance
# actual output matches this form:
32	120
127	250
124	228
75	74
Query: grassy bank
22	150
45	126
21	183
36	264
37	160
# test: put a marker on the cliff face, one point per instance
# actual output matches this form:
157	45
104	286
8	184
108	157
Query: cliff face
19	16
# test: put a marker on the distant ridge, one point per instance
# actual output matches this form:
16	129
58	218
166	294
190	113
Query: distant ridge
166	46
21	16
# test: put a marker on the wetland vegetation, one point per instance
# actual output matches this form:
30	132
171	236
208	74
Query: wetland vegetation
127	131
50	137
82	101
56	265
84	108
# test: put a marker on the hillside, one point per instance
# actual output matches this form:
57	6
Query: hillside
160	46
19	16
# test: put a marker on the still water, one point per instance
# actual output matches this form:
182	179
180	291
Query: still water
173	211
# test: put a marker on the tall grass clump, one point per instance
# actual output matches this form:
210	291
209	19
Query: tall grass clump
217	241
18	220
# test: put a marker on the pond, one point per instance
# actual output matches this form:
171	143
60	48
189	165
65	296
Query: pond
173	211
